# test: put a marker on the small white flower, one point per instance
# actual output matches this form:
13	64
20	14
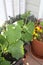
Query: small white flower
15	23
1	33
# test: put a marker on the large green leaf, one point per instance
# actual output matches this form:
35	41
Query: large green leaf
3	42
4	62
30	27
13	33
17	49
26	36
20	22
28	32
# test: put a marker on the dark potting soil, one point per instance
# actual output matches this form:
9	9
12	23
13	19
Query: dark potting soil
8	57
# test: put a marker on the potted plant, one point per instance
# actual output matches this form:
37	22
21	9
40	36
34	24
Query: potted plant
12	39
12	42
36	36
37	43
11	45
27	25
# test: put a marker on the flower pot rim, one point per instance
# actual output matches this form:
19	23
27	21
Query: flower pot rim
37	40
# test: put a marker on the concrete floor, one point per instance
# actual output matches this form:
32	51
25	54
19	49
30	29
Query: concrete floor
31	59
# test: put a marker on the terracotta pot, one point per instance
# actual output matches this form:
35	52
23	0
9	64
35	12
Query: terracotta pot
37	48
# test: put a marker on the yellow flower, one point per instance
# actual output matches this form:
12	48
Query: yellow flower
34	37
37	28
34	33
40	30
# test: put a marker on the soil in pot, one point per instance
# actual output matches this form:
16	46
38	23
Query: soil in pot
37	48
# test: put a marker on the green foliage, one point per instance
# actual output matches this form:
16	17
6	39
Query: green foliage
28	32
27	29
13	33
3	61
16	49
11	41
26	37
25	15
2	39
20	22
3	43
30	27
0	49
41	23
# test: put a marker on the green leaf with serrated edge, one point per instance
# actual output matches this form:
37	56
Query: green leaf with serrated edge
16	49
30	27
13	33
3	42
2	39
26	36
28	32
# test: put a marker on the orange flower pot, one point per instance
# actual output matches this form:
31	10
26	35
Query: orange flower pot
37	48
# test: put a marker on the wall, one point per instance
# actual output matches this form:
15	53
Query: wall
33	6
15	7
10	8
41	10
